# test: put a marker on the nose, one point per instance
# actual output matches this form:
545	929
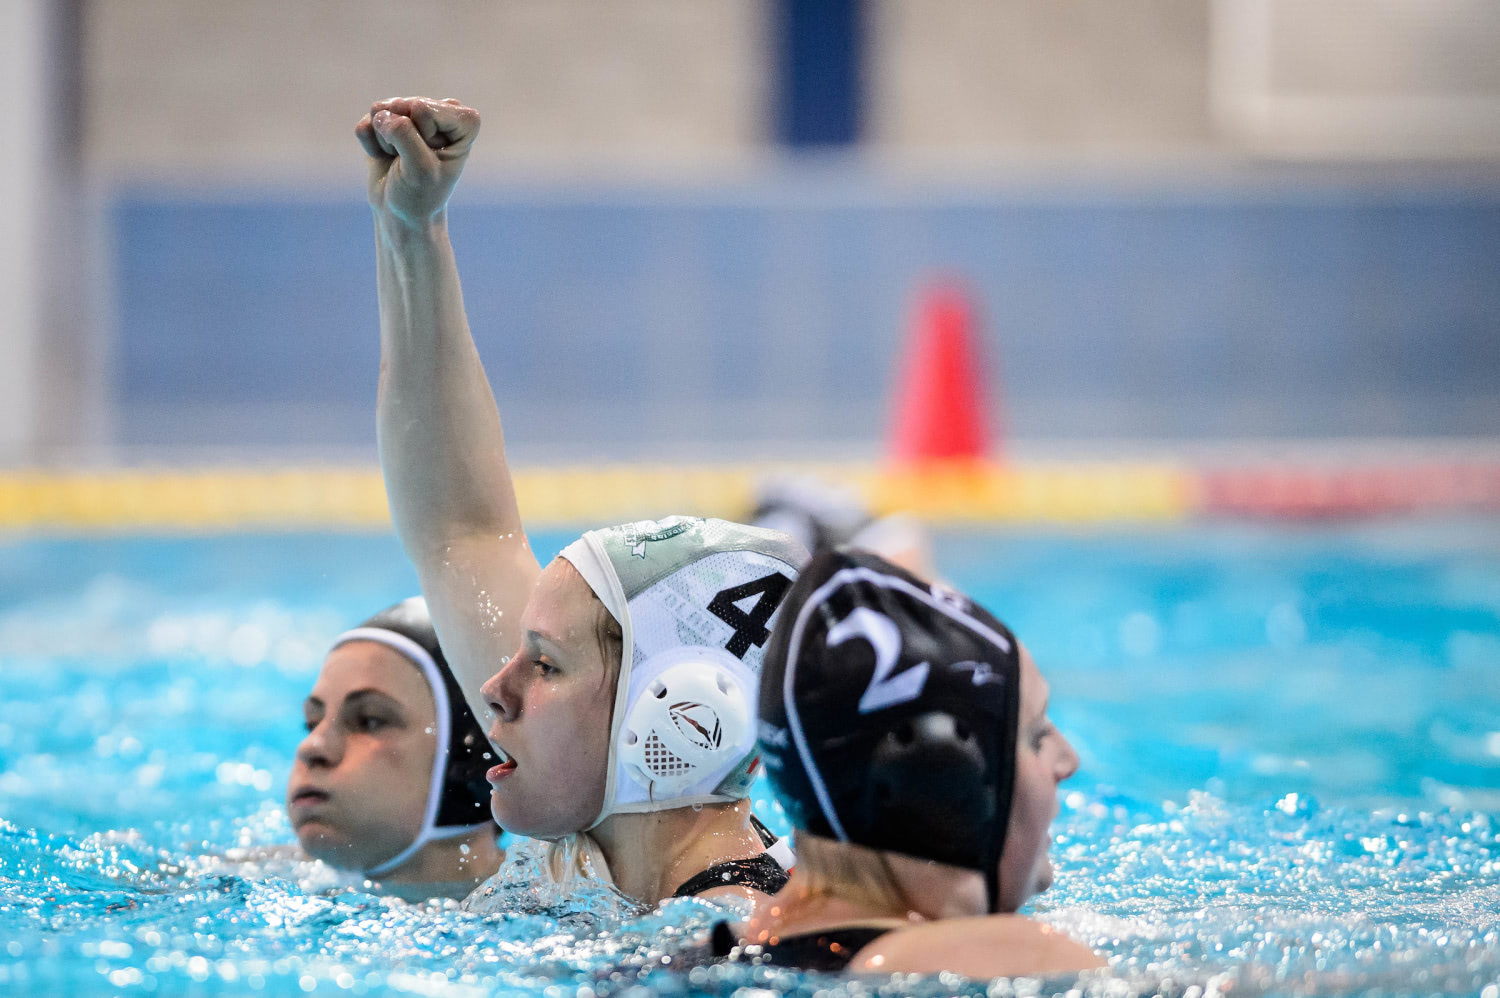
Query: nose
1067	761
322	746
502	691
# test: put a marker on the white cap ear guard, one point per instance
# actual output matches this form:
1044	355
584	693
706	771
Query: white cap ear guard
696	600
689	723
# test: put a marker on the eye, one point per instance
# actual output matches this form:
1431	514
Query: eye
370	722
309	724
546	668
1041	736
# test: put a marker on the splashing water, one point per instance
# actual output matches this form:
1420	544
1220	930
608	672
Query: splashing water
1290	781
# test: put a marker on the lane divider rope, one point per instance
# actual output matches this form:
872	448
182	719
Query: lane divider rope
353	497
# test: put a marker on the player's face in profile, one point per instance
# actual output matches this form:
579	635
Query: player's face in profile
360	779
553	703
1043	760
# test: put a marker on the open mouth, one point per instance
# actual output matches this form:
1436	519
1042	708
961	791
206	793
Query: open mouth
504	768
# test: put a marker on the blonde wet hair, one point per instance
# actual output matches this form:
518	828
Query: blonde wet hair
576	859
850	872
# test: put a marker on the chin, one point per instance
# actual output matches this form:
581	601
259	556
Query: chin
517	821
513	814
324	844
532	827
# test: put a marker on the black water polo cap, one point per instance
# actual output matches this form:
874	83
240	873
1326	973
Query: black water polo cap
889	708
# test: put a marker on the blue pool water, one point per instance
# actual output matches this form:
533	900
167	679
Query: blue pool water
1290	781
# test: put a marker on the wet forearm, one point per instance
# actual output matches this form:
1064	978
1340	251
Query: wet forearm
441	446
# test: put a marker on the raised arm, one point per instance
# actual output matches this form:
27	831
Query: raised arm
441	447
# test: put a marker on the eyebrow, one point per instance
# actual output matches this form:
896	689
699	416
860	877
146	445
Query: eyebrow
536	639
358	696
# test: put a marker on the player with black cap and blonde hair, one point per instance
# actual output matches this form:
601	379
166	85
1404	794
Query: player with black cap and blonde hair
905	732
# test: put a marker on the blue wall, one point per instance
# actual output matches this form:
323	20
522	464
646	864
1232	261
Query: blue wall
637	322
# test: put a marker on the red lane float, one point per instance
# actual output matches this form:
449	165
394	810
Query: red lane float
1301	491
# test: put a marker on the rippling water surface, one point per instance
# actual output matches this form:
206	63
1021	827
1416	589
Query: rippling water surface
1290	782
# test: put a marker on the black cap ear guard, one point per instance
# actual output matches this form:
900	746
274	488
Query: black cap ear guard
889	711
930	764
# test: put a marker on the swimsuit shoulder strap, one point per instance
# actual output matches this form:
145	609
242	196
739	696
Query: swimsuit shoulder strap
827	950
766	872
761	873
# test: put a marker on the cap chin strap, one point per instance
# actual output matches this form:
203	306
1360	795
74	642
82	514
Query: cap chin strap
994	850
998	835
429	832
588	556
425	837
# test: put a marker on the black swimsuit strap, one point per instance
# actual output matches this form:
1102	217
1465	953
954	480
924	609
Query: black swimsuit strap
761	873
828	950
831	949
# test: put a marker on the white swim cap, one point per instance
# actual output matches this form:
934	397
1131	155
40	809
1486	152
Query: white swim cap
696	600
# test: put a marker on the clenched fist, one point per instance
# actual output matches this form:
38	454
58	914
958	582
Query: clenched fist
417	147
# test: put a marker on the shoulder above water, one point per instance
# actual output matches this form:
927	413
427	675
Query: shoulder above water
983	947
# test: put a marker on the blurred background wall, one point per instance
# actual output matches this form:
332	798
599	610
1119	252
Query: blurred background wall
697	227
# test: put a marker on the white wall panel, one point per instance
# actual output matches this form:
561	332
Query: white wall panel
270	89
23	81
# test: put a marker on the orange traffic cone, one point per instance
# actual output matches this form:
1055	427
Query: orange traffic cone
940	395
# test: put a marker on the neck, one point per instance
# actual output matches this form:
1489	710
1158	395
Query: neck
805	905
868	887
650	855
455	865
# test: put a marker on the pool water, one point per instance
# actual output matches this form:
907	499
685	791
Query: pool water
1290	781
